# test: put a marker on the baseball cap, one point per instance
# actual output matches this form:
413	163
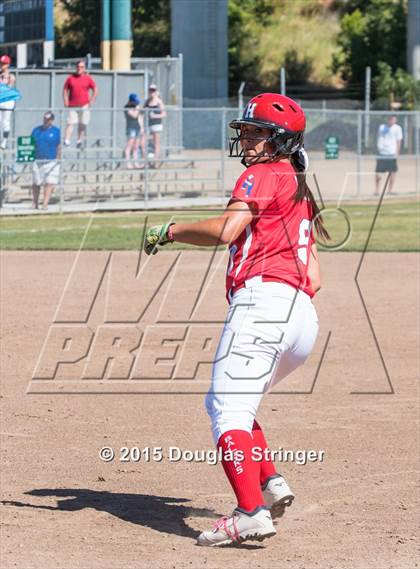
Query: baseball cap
134	98
5	59
153	87
49	116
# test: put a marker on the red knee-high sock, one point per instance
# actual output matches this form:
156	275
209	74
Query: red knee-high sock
266	465
244	476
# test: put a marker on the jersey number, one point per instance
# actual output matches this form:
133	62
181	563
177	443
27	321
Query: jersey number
304	228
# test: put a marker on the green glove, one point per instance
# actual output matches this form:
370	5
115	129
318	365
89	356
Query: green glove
156	235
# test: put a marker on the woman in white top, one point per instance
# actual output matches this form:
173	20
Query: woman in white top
156	114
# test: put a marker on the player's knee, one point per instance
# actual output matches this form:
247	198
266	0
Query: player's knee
231	421
225	416
216	410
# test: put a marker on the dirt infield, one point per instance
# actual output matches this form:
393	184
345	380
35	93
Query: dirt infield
62	507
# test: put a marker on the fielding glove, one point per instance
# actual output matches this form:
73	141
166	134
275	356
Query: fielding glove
157	235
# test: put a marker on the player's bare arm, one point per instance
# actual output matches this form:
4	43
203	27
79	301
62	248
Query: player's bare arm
223	229
133	112
162	113
94	94
210	232
66	97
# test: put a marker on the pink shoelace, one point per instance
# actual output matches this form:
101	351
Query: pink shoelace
222	524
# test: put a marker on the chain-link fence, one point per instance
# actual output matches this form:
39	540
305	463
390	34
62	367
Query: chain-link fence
191	160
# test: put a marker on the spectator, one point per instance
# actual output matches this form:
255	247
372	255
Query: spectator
134	130
390	135
79	94
157	113
6	108
46	169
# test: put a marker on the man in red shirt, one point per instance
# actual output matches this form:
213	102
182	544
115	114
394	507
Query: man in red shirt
79	94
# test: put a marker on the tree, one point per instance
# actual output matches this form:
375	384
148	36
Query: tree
298	69
78	29
400	89
374	31
151	21
247	19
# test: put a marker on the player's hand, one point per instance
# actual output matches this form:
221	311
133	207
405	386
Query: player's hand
156	235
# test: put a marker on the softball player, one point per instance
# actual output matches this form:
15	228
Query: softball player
271	325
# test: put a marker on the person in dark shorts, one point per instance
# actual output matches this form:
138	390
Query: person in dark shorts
390	135
134	131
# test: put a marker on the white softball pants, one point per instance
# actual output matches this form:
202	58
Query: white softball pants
269	331
5	120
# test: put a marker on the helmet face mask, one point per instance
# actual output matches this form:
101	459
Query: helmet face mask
281	115
248	153
283	143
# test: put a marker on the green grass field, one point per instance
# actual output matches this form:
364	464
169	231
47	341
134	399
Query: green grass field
396	229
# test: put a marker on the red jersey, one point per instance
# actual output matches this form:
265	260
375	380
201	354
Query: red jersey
78	87
277	242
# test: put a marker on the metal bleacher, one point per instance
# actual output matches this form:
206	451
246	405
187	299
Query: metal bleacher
100	173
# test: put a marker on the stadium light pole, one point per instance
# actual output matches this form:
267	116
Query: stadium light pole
368	80
49	42
282	81
241	97
413	38
121	38
106	34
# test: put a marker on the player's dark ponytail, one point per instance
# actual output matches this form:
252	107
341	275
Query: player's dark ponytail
299	162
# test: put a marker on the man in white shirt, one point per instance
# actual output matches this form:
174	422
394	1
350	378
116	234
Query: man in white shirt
390	135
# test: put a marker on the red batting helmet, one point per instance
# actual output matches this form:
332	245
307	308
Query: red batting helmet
5	59
279	113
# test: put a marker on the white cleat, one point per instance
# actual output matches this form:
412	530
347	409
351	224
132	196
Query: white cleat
277	496
238	528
